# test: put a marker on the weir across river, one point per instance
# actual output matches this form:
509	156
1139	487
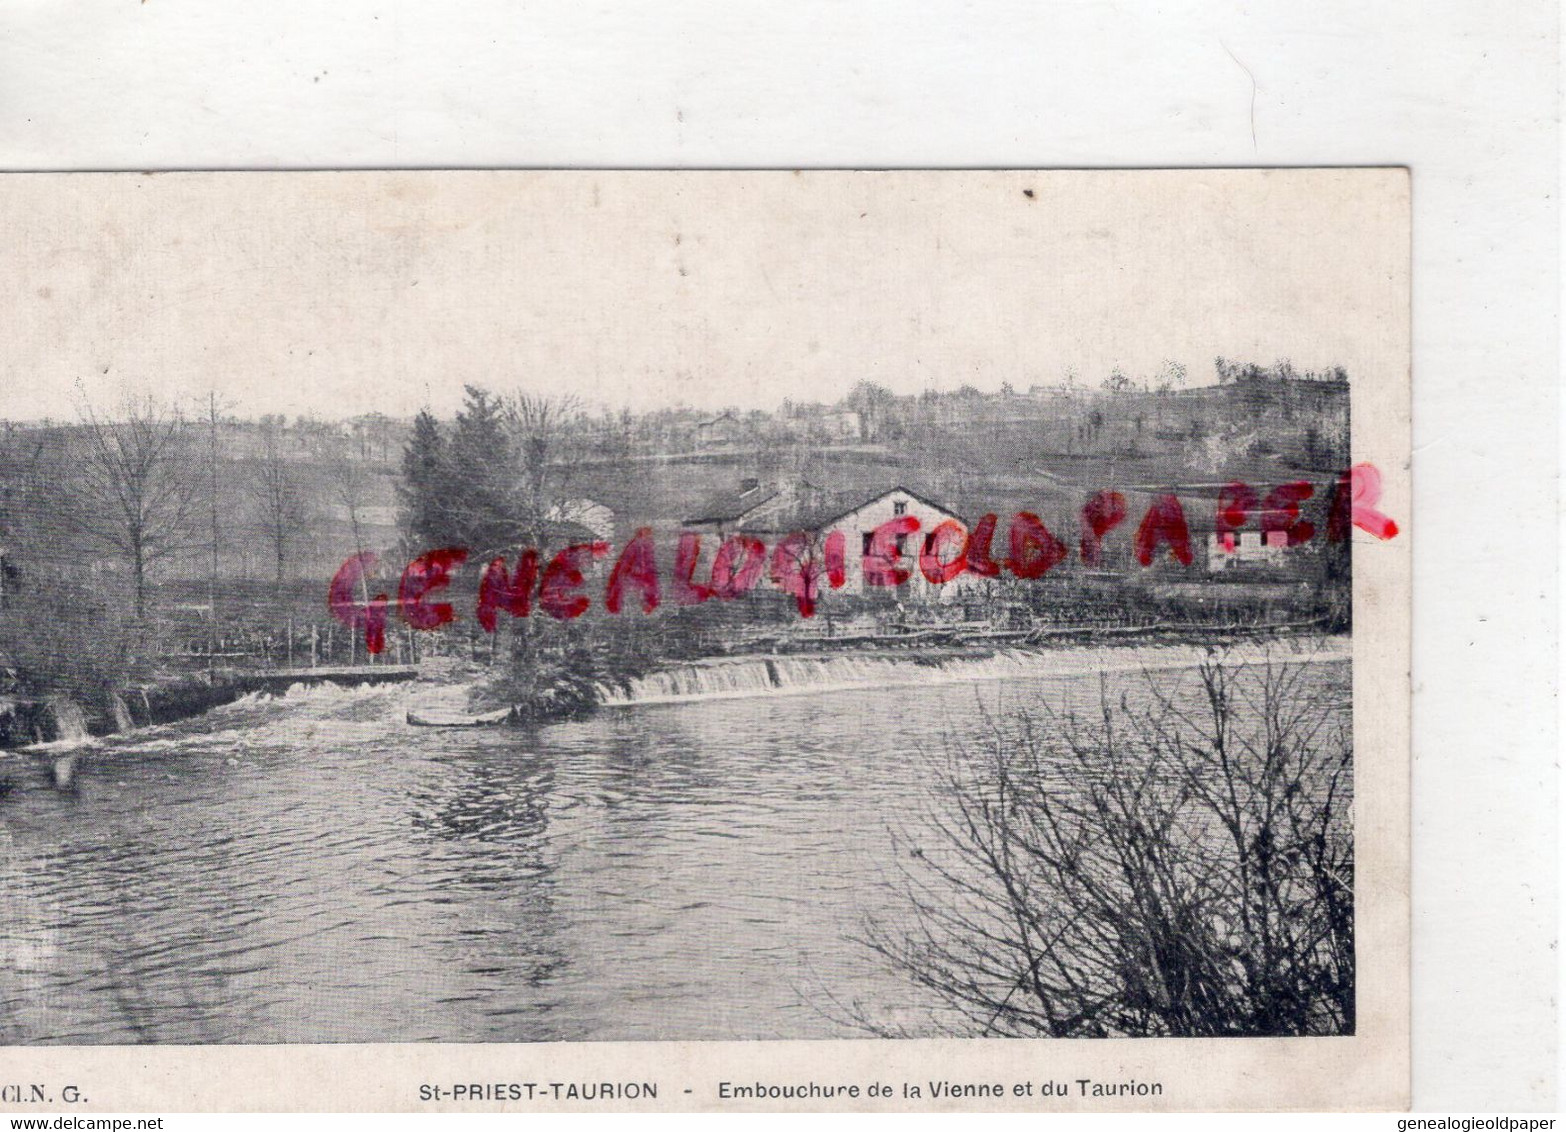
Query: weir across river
281	679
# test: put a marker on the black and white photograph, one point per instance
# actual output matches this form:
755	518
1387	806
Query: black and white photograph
700	607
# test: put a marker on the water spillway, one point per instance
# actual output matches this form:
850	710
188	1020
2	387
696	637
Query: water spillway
69	721
56	720
122	716
739	677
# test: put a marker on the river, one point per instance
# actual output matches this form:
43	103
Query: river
309	868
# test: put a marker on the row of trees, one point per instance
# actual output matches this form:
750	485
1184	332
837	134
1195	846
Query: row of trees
1283	370
884	416
143	486
496	479
141	489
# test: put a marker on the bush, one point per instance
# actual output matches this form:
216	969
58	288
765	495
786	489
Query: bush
69	639
1163	870
546	672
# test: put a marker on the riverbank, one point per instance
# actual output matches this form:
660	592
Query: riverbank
49	723
981	634
57	721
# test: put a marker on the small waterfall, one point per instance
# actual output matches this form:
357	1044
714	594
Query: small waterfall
122	715
69	722
13	723
783	675
780	675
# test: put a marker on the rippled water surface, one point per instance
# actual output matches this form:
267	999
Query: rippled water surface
311	868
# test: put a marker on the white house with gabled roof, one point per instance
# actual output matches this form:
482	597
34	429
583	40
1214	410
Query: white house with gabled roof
860	521
773	510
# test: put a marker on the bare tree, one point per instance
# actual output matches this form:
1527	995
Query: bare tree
351	485
349	482
59	632
279	500
540	437
1165	871
137	489
872	402
540	671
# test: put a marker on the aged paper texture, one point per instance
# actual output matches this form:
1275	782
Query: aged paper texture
521	641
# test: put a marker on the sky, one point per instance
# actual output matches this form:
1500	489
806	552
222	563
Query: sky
336	294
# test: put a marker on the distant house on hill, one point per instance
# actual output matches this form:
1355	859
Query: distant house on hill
1260	547
1053	393
1239	549
838	424
720	431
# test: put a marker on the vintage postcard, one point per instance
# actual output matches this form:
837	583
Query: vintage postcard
584	640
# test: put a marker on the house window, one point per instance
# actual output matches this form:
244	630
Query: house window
900	541
1277	539
900	507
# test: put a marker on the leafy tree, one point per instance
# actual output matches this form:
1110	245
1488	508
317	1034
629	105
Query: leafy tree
1171	376
871	402
424	490
483	477
1117	382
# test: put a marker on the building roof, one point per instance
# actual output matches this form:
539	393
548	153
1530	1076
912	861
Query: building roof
730	506
832	510
770	509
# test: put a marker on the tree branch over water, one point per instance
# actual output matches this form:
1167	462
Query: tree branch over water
1158	870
